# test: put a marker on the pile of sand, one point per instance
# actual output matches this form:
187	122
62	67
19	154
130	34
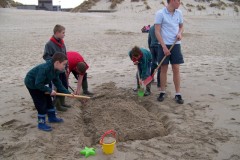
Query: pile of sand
120	110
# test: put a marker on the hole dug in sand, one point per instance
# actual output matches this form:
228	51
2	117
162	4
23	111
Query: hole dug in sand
119	109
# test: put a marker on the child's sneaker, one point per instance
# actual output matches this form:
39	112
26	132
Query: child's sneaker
178	99
147	93
161	97
135	89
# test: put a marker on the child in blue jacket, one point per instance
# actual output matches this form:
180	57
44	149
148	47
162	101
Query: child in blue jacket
142	58
36	82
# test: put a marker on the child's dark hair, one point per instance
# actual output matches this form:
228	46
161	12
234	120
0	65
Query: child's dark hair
136	51
59	56
81	67
58	28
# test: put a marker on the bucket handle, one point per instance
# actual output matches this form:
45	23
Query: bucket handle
107	133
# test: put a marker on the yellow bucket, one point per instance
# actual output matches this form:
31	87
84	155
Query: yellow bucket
108	148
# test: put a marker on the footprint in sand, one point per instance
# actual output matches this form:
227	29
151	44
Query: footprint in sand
211	95
213	80
9	123
235	107
236	123
235	93
226	98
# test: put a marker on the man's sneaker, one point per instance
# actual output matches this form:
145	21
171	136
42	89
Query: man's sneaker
178	99
161	97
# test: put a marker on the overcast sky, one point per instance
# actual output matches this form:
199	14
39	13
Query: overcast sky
63	3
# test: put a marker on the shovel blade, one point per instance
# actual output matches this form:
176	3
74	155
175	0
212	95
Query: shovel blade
148	80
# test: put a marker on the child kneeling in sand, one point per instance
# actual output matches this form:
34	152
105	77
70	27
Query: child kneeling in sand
36	82
142	58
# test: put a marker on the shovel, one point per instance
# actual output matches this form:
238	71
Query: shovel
71	95
150	78
141	89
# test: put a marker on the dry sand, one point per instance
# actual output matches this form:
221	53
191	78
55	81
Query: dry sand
206	127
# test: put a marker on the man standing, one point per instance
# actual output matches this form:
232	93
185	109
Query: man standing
168	28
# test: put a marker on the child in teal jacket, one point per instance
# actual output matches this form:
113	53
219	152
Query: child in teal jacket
36	82
142	58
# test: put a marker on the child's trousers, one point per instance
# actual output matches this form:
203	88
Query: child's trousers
84	82
42	101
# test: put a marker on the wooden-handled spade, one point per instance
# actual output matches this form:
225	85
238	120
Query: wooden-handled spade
71	95
150	78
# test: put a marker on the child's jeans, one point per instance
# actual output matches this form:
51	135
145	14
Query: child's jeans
42	101
140	72
155	52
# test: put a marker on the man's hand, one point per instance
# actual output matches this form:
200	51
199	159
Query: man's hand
53	93
166	51
179	36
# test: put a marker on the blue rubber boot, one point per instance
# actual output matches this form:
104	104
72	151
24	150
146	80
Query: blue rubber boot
42	123
52	117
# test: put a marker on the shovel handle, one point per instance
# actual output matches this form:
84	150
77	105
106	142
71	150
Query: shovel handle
139	77
71	88
164	58
73	96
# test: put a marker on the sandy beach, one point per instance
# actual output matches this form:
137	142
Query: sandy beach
205	127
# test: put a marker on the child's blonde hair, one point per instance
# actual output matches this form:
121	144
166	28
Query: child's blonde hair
58	28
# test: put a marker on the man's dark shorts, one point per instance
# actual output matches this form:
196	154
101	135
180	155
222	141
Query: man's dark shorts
176	56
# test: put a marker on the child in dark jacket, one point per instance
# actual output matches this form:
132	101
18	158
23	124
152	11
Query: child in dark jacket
56	44
142	58
153	45
36	82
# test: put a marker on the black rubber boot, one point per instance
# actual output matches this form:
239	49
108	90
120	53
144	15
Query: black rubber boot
62	100
148	90
57	103
85	87
52	117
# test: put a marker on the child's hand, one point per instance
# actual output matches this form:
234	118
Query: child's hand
135	63
53	93
77	92
72	95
